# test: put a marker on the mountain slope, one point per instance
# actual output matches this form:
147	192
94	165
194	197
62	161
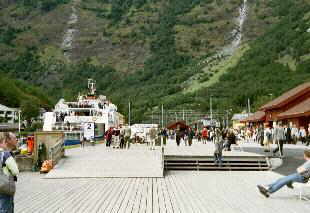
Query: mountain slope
154	52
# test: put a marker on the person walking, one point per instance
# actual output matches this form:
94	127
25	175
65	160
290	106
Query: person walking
204	134
288	134
231	139
191	135
185	137
164	135
127	136
279	139
267	138
261	135
303	135
178	136
83	141
108	136
302	175
295	133
308	137
8	171
219	145
153	136
122	137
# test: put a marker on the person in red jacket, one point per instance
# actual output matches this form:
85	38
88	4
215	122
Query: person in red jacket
108	136
204	134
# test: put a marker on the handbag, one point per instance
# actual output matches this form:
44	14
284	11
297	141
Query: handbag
306	175
7	183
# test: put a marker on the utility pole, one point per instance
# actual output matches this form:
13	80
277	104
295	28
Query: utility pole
227	119
152	117
162	116
249	107
129	113
19	122
211	113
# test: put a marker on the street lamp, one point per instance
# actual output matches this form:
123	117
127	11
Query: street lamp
19	122
227	113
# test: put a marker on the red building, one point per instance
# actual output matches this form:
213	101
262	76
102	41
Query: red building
293	106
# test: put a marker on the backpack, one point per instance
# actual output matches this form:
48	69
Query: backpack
7	184
268	134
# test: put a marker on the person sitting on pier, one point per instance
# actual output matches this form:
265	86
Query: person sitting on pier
302	175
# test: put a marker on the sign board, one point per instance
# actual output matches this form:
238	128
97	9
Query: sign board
89	130
207	122
142	129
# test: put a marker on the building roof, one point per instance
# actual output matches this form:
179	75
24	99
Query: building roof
5	108
240	116
256	117
181	124
299	110
288	96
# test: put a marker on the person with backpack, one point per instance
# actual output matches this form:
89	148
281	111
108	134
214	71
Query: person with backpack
8	172
267	138
220	136
261	135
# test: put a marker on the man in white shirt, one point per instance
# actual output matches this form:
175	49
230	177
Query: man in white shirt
302	134
267	138
294	133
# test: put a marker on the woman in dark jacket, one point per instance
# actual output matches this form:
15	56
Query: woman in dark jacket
231	139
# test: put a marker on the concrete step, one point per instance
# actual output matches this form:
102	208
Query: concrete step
207	163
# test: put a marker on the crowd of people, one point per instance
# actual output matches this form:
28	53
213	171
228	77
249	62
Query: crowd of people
119	137
278	134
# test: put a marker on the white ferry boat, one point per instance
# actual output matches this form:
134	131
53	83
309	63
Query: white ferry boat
90	116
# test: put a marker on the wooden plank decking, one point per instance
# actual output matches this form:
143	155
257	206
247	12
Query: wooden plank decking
179	191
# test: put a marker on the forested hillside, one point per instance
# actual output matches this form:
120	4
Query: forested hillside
154	52
17	93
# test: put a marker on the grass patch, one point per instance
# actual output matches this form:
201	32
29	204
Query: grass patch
218	70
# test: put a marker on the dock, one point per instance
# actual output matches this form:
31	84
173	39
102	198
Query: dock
204	191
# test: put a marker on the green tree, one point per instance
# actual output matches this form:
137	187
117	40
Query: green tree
30	110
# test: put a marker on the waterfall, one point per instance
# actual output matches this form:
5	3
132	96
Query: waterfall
237	33
68	38
238	30
225	53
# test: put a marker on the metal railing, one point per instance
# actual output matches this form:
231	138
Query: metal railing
56	151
